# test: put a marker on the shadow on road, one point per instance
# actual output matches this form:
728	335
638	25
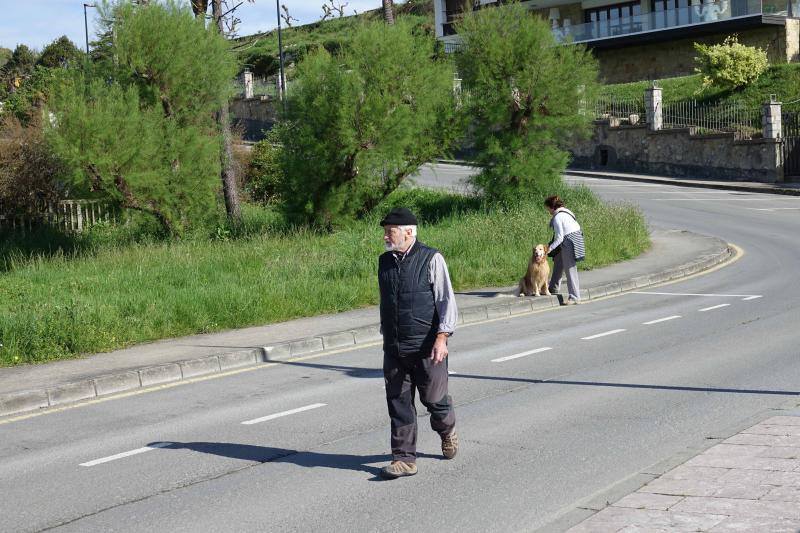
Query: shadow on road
629	385
377	373
268	454
352	371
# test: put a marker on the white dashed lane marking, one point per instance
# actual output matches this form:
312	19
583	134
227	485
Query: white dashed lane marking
673	317
713	307
137	451
283	413
612	332
523	354
743	296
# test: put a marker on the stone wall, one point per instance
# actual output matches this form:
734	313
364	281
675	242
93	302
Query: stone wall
650	62
677	152
252	116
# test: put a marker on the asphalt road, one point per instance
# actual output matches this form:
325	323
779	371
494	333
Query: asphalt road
596	394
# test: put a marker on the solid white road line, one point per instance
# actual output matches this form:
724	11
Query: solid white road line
122	455
754	297
773	208
283	413
750	296
613	331
518	355
673	317
715	199
713	307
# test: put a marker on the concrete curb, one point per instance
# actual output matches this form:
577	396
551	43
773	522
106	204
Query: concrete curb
128	380
728	186
732	186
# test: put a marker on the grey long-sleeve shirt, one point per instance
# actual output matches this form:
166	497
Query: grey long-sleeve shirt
443	296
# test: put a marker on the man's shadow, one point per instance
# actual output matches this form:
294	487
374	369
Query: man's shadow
267	454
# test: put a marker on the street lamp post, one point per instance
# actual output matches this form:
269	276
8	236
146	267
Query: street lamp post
282	79
86	25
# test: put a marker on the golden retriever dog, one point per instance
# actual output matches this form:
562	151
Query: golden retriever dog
538	275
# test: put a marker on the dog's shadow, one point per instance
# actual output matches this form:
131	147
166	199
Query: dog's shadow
269	454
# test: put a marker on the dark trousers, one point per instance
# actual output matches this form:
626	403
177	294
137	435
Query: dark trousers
403	376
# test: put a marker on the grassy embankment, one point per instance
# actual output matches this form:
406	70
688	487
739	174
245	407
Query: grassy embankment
96	298
783	81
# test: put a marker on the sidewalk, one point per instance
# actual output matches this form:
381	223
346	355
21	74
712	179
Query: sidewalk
748	482
792	189
674	254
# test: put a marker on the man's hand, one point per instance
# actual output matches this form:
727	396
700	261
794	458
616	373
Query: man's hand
439	351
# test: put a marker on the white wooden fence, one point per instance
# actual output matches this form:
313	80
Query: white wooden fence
70	216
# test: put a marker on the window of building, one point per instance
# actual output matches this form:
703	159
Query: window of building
615	19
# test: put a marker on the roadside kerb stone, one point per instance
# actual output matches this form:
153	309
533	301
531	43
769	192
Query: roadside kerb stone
278	352
473	314
305	346
521	306
109	384
71	392
154	375
598	292
367	334
338	340
20	402
114	383
231	360
498	311
199	367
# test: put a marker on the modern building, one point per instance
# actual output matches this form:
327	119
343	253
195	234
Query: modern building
651	39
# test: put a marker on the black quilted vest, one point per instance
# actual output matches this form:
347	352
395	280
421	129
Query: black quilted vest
408	315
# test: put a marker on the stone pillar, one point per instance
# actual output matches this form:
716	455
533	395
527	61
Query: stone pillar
652	104
247	77
771	120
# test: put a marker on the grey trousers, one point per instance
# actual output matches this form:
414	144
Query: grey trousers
403	377
565	262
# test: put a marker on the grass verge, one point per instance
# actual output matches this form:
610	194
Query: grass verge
94	299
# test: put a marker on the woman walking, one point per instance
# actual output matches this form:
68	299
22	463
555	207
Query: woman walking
566	248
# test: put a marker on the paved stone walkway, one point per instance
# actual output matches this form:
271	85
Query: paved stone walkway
749	482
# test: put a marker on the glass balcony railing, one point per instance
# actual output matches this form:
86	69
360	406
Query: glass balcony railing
700	13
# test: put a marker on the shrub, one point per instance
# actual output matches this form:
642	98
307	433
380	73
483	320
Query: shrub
30	173
357	125
145	137
730	65
263	174
523	94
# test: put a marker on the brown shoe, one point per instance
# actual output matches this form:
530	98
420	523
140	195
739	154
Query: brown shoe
398	469
450	445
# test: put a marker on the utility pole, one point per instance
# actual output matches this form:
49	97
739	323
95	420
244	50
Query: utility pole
282	79
86	25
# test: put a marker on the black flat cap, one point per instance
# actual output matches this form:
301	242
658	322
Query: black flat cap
399	216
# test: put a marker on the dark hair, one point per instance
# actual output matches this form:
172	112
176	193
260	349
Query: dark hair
553	202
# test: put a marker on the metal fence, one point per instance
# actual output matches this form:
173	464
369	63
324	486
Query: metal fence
741	120
262	86
610	106
70	216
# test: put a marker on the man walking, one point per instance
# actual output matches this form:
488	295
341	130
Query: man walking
418	314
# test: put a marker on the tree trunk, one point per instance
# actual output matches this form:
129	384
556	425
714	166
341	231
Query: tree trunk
199	7
388	11
228	172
